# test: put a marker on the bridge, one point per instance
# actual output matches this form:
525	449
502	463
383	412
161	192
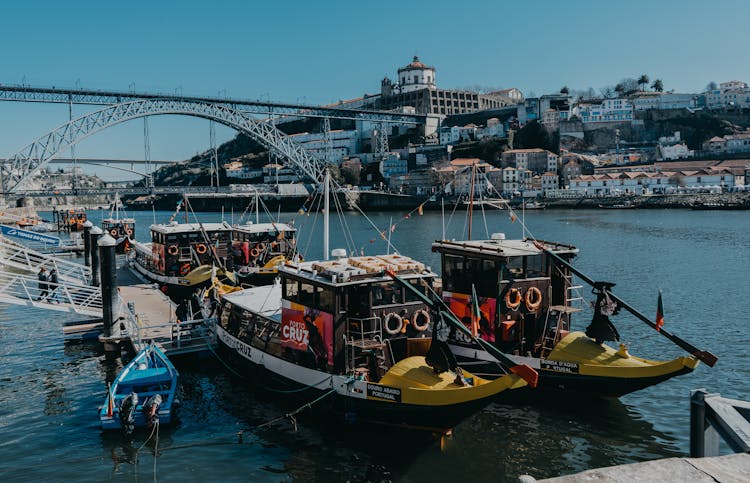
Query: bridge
120	107
106	161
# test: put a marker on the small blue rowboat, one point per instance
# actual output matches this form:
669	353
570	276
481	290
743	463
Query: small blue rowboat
142	394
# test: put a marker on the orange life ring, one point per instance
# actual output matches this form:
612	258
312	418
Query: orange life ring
389	327
261	246
129	232
201	248
425	316
184	269
254	252
113	232
533	299
173	250
515	302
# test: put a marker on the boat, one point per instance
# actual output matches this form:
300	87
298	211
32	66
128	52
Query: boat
120	227
343	332
258	249
183	255
534	205
142	394
717	205
525	297
627	205
69	220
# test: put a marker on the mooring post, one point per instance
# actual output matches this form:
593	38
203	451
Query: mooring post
94	235
704	439
87	225
110	309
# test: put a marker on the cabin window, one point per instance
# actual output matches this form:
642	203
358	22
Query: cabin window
326	299
224	317
234	321
513	268
307	294
247	321
535	266
485	277
386	293
411	297
291	290
171	238
454	276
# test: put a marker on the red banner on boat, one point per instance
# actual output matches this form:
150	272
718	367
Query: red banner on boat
659	313
462	306
308	330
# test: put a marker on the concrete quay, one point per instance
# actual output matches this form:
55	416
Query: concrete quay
728	468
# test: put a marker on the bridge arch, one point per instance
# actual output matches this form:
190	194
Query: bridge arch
20	167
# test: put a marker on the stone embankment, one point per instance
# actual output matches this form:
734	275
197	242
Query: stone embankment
736	200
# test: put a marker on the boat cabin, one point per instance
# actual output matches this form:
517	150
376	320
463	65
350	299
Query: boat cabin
256	244
119	227
525	298
343	316
69	220
178	248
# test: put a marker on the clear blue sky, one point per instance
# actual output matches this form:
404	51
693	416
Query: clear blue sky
322	51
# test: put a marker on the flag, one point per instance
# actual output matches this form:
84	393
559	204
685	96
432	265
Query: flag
393	228
420	209
110	401
476	313
659	313
512	217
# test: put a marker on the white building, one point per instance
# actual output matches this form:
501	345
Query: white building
672	147
416	76
392	167
343	144
609	110
658	100
729	94
640	183
277	173
550	181
494	128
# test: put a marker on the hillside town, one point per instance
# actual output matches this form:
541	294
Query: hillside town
634	138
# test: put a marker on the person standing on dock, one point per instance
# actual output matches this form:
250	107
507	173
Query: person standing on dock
43	287
53	281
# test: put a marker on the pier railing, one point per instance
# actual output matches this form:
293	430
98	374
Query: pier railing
713	416
20	257
20	289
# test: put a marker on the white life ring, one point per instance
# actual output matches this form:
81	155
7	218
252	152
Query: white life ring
387	323
426	317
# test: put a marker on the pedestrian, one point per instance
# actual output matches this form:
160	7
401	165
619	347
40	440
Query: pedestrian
53	279
43	287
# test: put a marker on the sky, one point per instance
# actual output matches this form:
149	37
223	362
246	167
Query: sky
318	52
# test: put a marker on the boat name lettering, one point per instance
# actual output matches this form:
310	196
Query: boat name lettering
296	331
558	366
384	392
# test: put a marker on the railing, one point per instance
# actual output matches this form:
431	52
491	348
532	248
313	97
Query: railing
711	417
19	289
22	258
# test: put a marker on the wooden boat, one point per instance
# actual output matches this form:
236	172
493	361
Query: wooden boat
345	330
69	220
717	205
526	297
142	394
120	227
534	205
258	249
184	254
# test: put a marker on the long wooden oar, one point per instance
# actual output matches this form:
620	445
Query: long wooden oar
527	373
702	355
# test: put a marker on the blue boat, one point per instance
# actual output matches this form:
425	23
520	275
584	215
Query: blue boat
142	394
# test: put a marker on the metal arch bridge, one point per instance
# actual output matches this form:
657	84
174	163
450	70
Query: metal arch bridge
19	167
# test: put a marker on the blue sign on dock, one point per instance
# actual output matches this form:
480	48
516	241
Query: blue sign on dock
29	235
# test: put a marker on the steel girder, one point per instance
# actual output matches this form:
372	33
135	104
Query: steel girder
103	98
26	162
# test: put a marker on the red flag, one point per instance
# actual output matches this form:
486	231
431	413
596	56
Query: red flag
420	209
393	228
476	312
659	314
512	217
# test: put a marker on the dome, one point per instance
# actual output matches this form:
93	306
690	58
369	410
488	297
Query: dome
416	65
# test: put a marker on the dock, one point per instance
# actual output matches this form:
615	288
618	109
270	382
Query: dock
733	467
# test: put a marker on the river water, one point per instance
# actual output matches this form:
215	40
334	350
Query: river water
50	389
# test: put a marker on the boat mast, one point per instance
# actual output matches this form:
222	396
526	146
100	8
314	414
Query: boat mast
471	194
257	206
326	209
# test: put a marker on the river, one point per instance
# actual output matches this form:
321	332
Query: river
50	389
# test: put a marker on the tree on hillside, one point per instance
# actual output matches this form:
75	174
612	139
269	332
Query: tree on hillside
643	81
658	85
629	85
711	86
619	89
608	92
565	90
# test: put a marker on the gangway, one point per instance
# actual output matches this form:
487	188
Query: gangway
20	257
17	289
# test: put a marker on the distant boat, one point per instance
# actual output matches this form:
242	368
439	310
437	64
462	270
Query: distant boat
534	205
618	206
717	205
143	393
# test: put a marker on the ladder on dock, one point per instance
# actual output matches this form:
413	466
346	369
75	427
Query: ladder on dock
18	289
20	257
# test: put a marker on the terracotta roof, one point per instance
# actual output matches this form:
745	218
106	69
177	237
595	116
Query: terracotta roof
715	139
415	64
466	161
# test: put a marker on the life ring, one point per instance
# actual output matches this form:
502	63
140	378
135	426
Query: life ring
173	250
399	321
200	248
515	302
261	246
533	299
129	232
184	269
113	232
425	316
254	252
